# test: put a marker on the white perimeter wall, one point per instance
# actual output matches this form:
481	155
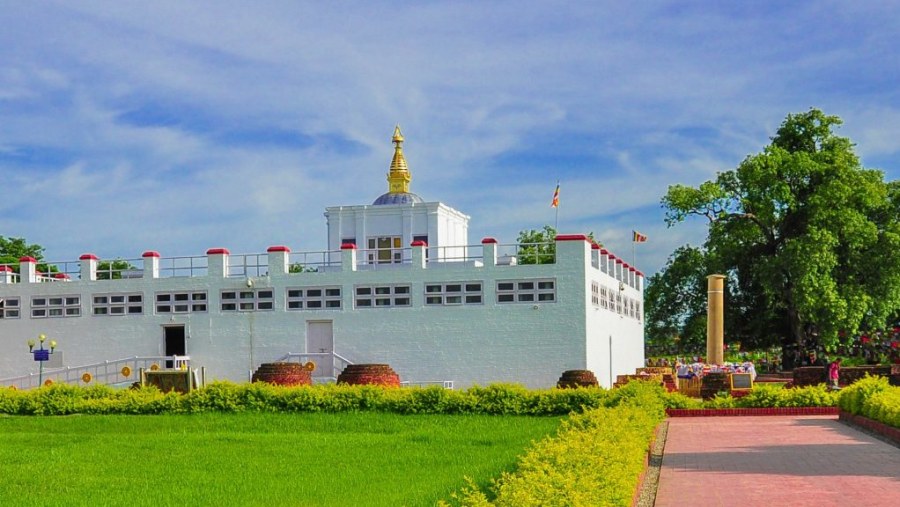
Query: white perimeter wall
470	344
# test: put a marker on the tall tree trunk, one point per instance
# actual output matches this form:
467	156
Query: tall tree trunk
792	346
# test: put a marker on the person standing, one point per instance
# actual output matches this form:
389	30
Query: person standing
834	372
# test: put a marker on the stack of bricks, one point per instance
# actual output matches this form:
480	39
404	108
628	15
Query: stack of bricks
285	374
577	378
369	374
666	374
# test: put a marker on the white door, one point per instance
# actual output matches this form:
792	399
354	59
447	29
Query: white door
320	340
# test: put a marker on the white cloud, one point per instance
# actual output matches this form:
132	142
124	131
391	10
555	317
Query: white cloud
655	93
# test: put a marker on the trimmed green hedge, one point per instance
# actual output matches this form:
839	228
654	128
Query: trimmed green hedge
595	459
872	397
763	396
501	399
504	399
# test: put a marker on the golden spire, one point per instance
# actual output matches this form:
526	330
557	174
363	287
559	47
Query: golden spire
398	177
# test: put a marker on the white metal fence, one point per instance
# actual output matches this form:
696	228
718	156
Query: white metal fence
119	371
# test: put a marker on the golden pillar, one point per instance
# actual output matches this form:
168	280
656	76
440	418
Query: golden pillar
715	319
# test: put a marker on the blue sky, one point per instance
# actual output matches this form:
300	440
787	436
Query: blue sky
181	126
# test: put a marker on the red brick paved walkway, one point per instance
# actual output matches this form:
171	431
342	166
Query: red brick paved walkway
780	460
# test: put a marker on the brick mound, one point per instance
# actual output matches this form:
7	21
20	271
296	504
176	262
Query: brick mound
284	374
577	378
369	374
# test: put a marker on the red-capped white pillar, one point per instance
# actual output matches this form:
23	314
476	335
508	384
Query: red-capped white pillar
278	259
7	275
418	254
217	262
348	257
151	264
489	251
88	266
573	250
28	270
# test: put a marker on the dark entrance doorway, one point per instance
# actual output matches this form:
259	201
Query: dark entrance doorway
174	343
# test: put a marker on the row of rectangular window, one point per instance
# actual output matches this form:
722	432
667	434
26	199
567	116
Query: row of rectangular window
365	296
453	293
526	291
609	299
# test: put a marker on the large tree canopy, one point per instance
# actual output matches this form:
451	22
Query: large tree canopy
13	249
808	238
539	246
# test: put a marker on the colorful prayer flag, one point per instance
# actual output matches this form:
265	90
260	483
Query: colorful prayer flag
637	237
555	203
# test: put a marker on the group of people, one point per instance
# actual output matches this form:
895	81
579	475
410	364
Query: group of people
698	369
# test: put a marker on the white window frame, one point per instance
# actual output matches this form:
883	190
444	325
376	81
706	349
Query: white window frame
595	294
54	307
527	291
116	304
398	295
325	297
10	308
454	293
165	303
247	300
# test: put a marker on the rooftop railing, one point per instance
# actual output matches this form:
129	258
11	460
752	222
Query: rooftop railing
261	264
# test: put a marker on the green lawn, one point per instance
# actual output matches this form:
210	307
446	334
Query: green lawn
359	459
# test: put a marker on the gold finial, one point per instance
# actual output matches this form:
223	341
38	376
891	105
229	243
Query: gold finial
398	177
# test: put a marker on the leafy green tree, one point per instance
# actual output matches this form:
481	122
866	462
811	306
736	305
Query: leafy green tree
13	249
112	270
808	238
539	246
301	268
675	304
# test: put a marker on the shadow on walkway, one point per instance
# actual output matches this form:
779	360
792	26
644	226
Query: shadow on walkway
795	460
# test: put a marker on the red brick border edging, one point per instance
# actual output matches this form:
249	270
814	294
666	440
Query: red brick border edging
718	412
889	432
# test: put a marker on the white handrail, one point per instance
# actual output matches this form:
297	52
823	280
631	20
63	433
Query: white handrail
106	372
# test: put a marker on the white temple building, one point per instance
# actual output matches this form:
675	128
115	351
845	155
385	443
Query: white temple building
399	283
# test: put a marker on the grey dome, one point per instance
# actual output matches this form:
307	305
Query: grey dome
398	198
